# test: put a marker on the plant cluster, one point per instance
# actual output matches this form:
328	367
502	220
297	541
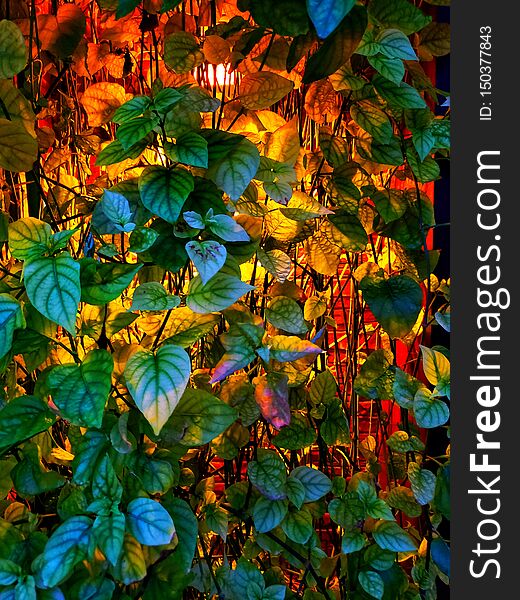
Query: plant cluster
216	249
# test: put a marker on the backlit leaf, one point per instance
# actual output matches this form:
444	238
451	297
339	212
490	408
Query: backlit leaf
272	396
182	52
80	392
101	100
149	522
53	287
164	191
157	382
221	291
13	53
18	148
261	90
153	296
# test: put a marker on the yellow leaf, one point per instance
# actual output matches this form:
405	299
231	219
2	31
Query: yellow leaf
18	149
261	90
101	100
283	144
216	49
321	100
322	256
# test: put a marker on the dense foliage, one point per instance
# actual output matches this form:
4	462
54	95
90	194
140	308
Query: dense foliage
216	250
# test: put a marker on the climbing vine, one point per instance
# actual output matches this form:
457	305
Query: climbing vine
220	319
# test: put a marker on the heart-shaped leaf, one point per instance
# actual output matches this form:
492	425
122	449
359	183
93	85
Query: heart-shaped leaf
80	392
208	258
157	382
53	286
164	191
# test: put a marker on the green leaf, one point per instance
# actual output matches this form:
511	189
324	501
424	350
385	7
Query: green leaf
189	149
298	526
334	428
316	483
149	522
389	536
400	441
133	131
117	209
103	282
105	484
394	44
186	327
65	549
233	161
268	514
9	572
352	541
18	148
423	483
372	583
182	52
153	296
396	302
142	239
186	528
375	379
268	474
80	392
157	382
227	228
398	95
164	191
114	153
216	519
425	170
297	435
207	257
262	89
402	498
13	52
276	262
285	17
338	47
108	532
199	418
398	13
286	314
288	348
53	287
29	238
131	109
221	291
327	15
390	204
391	68
11	318
22	418
429	411
372	120
352	235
